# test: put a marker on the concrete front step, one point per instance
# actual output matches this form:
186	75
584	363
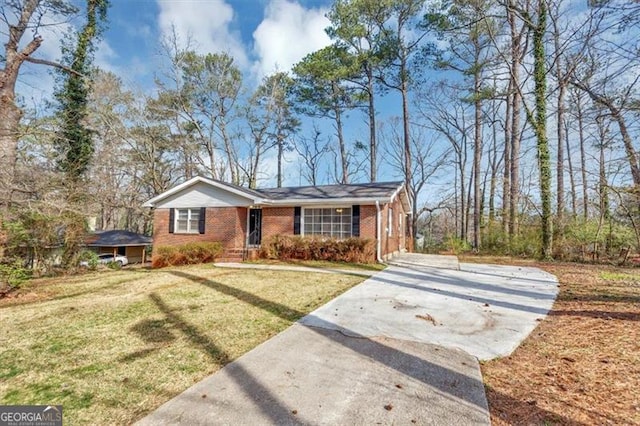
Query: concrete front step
238	255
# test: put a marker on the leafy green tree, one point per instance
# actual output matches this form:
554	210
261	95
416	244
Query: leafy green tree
402	40
321	90
355	25
74	139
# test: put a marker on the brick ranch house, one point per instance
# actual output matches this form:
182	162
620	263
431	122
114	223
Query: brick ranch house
240	219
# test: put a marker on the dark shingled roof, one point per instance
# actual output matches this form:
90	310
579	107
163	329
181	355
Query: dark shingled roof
117	238
360	190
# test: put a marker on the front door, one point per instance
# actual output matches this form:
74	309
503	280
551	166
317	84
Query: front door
255	227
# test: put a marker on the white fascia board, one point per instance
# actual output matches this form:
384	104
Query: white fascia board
406	203
152	202
325	201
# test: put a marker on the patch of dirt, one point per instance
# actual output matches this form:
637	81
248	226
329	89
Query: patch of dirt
581	365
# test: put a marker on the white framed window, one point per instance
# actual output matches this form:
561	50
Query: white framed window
333	222
186	221
400	230
390	222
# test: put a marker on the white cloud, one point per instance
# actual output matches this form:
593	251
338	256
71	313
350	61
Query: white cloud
207	23
286	35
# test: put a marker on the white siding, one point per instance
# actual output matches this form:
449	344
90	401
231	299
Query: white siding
203	195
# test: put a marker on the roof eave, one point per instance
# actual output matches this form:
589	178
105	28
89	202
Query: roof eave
152	202
321	201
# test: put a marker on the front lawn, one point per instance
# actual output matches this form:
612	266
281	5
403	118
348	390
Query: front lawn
112	346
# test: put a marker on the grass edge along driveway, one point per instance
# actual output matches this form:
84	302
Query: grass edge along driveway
112	346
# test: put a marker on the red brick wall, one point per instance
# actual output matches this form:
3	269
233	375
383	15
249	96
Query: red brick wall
223	224
276	221
227	225
397	240
368	222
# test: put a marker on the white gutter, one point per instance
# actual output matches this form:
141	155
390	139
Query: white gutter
324	201
378	233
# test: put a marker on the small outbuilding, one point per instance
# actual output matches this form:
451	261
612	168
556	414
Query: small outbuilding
125	243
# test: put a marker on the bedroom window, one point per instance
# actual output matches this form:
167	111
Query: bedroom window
332	222
186	221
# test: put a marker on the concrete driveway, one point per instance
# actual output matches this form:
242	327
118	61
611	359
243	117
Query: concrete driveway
485	310
400	348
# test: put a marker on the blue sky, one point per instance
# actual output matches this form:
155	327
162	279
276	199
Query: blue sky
262	35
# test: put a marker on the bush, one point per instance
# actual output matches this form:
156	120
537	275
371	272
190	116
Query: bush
114	265
13	274
91	257
456	245
352	250
186	254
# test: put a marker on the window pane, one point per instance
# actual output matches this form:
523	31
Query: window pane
181	225
328	222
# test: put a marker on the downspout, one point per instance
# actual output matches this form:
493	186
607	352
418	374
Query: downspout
245	251
378	237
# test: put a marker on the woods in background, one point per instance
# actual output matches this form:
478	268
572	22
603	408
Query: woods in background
513	123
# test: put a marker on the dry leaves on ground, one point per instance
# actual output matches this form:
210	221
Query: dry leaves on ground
581	365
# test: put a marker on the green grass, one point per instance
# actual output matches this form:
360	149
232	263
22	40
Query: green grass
112	346
620	276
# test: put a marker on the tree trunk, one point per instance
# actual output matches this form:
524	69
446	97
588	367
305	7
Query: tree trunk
280	144
10	113
572	181
560	206
372	127
341	144
618	117
516	57
10	116
540	125
493	180
406	133
477	158
506	175
583	159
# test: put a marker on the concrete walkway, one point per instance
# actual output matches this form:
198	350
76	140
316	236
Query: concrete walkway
399	348
323	270
416	260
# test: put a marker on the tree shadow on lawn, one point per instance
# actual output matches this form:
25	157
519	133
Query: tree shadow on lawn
63	296
571	296
461	295
604	315
514	411
439	277
275	409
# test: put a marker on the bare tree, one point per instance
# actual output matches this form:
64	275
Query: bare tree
312	150
427	161
20	17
